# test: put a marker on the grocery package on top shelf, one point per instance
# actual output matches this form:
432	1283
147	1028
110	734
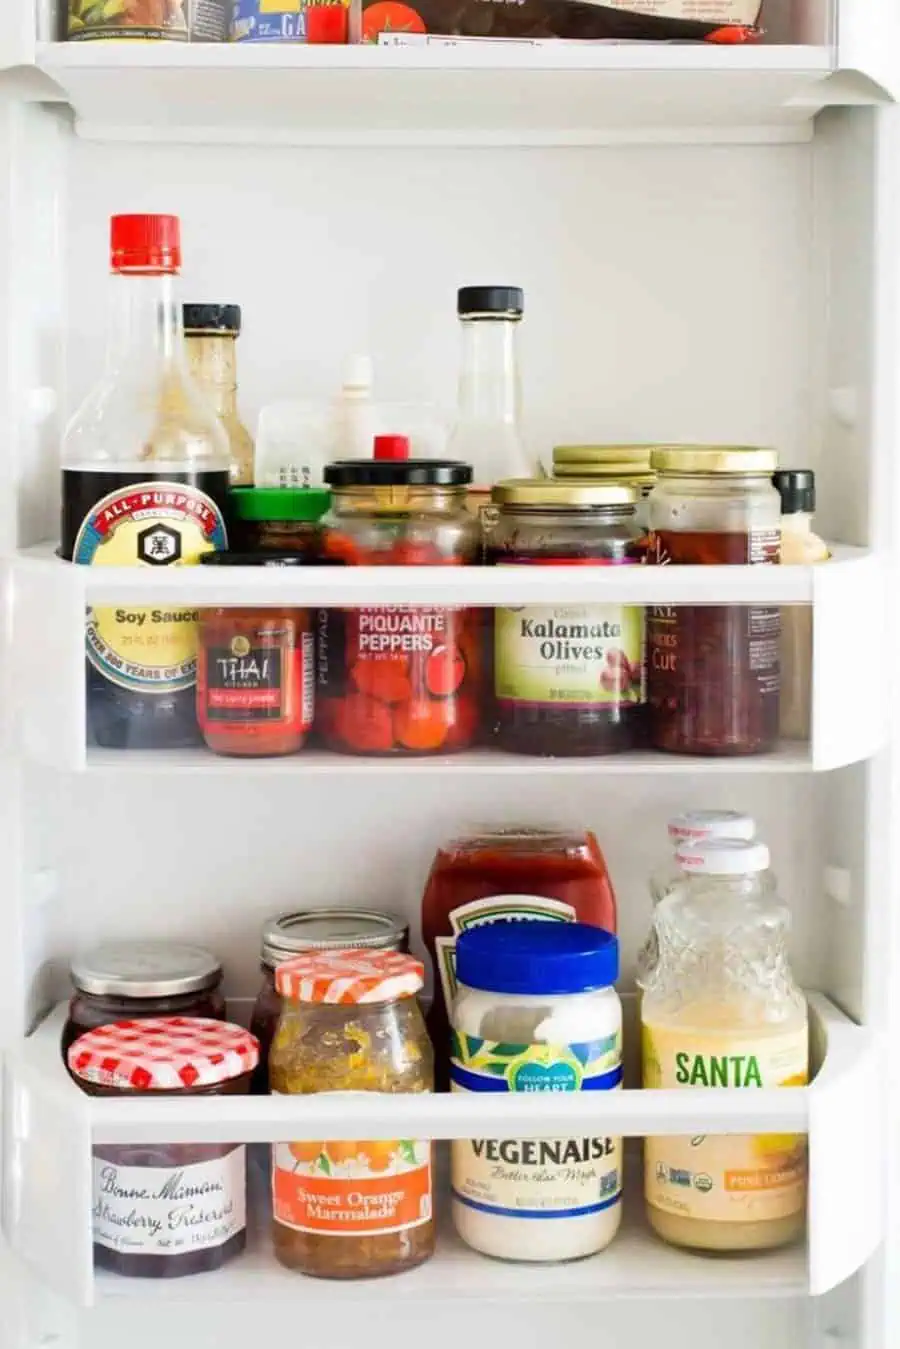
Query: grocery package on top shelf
143	20
324	21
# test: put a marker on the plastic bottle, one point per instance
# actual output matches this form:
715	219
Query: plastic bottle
799	547
353	422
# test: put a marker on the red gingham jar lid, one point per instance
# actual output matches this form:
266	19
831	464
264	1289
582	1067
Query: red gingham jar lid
166	1053
349	976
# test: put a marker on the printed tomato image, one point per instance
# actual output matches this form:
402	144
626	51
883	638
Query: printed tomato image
390	16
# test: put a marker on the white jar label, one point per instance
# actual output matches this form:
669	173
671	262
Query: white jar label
497	909
170	1210
538	1177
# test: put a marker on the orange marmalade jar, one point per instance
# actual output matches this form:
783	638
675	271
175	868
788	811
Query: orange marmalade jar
255	672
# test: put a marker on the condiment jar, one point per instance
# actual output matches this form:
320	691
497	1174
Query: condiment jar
568	679
721	1009
351	1209
137	980
536	1010
163	1210
175	21
278	519
713	670
628	464
399	679
291	934
799	547
210	337
255	671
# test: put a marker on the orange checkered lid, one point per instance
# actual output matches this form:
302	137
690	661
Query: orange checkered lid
349	976
167	1053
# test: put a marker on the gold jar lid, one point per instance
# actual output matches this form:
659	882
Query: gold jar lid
608	472
592	457
563	492
714	459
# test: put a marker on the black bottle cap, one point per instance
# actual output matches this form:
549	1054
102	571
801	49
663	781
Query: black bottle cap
797	489
398	473
500	300
212	318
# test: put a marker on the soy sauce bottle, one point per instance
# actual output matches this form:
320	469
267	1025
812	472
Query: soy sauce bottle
144	483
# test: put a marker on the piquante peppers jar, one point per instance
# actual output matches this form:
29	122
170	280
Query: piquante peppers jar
351	1208
399	679
140	980
568	678
278	519
292	934
164	1210
713	670
256	671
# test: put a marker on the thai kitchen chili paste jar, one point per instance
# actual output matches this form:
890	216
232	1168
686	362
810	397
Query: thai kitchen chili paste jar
256	671
399	679
351	1209
293	934
163	1210
141	980
713	670
568	678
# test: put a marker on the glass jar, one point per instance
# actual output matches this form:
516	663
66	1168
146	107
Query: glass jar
137	980
164	1210
278	519
557	875
290	934
628	464
568	678
536	1010
721	1009
713	670
400	679
351	1209
255	671
210	337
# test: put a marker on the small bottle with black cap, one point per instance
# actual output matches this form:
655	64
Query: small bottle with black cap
211	332
799	547
487	433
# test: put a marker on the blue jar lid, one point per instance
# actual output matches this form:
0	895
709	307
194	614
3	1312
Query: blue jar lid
537	957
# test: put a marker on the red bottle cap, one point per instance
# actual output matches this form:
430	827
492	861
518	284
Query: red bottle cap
326	23
391	447
145	243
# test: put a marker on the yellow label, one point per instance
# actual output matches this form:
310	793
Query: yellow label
730	1178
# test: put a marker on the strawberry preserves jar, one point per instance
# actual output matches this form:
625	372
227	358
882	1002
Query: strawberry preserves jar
713	669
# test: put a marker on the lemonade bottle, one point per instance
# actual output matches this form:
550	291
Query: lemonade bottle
721	1009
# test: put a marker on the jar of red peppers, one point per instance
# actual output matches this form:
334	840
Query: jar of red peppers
255	671
399	679
713	670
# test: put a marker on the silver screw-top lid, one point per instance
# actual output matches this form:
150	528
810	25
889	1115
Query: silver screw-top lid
331	930
145	969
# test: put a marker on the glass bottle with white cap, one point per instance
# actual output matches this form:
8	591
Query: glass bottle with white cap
721	1009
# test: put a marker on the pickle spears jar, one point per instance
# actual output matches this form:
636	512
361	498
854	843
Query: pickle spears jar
351	1209
713	670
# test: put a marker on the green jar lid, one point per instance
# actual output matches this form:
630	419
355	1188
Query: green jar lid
280	503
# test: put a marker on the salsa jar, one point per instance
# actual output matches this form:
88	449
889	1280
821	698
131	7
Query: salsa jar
490	875
292	934
278	519
568	678
165	1210
139	980
399	679
351	1208
714	669
256	671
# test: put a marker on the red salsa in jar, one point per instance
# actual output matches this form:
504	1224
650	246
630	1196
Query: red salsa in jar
493	875
164	1210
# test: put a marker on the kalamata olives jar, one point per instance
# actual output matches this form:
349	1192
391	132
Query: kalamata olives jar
292	934
134	980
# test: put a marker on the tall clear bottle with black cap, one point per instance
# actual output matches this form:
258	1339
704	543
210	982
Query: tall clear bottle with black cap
210	335
488	433
800	546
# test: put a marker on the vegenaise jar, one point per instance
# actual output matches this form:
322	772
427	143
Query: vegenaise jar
713	670
163	1210
138	980
537	1010
351	1209
291	934
568	678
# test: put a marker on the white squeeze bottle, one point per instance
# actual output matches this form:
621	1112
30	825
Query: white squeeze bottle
799	547
353	426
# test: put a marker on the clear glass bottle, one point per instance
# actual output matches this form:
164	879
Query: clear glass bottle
144	483
211	332
799	547
721	1009
487	433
